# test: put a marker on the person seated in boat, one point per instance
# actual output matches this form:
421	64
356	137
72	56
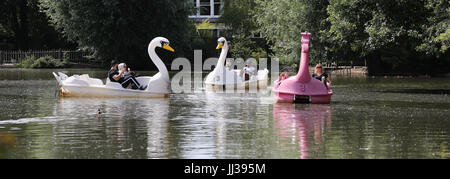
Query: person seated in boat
127	72
320	75
282	77
228	65
247	71
115	75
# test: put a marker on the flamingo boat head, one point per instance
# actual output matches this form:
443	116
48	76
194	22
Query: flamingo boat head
302	88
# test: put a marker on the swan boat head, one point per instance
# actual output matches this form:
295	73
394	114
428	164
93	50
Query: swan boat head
221	76
160	42
159	83
222	44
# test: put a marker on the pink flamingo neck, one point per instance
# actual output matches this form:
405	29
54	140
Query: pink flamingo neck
303	75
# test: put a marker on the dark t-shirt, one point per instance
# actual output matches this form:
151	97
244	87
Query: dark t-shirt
319	77
111	73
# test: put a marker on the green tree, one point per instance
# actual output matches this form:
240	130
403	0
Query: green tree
436	40
282	23
386	33
24	27
15	21
238	18
118	29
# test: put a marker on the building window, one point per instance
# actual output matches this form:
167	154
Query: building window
207	7
195	7
256	35
217	7
218	32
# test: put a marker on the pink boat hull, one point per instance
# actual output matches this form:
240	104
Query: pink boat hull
302	88
289	98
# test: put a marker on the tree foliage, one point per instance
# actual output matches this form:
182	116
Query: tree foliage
23	26
282	22
390	34
238	17
118	29
393	34
436	38
366	26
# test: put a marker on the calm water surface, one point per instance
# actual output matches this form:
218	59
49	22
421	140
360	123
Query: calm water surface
368	118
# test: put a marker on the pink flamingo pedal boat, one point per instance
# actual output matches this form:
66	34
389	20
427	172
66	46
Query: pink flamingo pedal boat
302	88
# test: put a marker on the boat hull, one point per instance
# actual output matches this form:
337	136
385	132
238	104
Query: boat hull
248	85
89	91
293	98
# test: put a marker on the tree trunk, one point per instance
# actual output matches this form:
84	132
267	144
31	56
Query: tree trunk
374	63
23	24
19	23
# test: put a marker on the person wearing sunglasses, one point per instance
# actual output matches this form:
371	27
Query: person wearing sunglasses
320	75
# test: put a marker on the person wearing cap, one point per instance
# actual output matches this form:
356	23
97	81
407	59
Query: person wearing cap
320	75
114	75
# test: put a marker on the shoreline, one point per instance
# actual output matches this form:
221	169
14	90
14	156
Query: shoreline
362	71
70	66
355	71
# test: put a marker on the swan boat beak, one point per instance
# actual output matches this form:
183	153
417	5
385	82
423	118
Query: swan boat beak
219	46
167	47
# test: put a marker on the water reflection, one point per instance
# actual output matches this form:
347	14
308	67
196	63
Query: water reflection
368	122
296	122
217	125
157	129
130	127
203	133
8	144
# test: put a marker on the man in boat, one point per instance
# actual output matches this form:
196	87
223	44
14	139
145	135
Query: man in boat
115	75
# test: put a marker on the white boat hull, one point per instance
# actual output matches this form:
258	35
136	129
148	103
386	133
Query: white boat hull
84	86
247	85
89	91
233	82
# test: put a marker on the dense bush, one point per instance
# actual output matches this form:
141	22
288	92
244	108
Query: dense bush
27	62
43	62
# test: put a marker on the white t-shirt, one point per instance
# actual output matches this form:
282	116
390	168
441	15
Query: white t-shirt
249	70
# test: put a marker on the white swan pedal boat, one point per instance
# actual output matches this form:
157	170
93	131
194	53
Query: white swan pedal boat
85	86
225	78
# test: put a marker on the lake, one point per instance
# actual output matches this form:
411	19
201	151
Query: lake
381	117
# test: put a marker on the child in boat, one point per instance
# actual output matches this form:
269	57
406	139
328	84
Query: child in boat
248	71
125	77
126	72
228	65
320	75
282	77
